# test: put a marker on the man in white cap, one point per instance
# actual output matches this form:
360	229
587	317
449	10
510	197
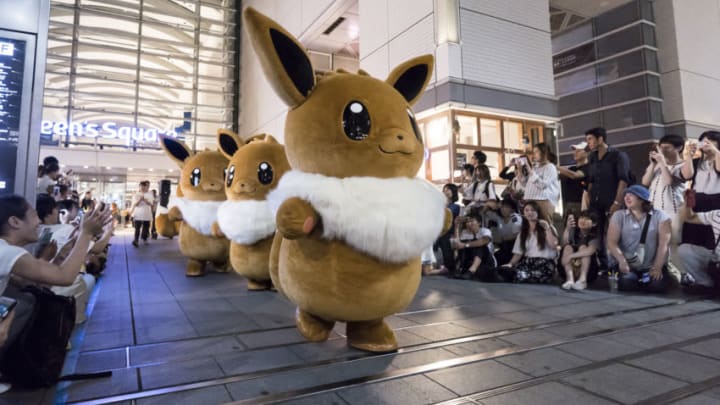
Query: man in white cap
573	181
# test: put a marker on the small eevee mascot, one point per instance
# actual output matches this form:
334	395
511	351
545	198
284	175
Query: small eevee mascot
245	218
202	180
352	218
164	226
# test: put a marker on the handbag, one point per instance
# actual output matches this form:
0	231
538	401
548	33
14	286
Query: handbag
35	359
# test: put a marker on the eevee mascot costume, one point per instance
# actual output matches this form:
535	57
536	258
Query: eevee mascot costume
245	218
164	226
352	218
202	182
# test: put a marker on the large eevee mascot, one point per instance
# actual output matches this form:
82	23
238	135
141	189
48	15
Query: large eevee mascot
352	218
202	181
255	169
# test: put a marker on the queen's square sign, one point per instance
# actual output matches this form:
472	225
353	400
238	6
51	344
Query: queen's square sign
107	130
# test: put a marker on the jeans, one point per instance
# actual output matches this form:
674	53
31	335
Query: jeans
631	282
695	260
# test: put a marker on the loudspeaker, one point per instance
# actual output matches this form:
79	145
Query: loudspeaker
164	192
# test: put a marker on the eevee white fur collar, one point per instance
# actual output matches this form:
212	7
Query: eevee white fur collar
200	215
246	222
392	219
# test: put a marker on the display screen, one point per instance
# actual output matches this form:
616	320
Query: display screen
12	62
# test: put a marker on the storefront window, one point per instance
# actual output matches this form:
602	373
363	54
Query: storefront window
466	128
501	140
149	66
490	133
437	133
493	163
440	165
513	135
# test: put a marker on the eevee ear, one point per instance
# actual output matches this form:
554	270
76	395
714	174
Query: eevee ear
255	138
411	77
229	142
175	149
286	65
271	139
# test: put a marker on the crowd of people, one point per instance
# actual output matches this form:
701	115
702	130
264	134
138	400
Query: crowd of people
61	244
641	233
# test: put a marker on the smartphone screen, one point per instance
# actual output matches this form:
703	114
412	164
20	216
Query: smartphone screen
6	305
45	236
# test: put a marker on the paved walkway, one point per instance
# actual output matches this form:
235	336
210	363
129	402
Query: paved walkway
169	339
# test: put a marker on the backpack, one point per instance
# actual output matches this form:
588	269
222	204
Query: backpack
486	191
35	359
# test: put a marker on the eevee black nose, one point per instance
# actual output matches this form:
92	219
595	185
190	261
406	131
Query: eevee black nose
400	137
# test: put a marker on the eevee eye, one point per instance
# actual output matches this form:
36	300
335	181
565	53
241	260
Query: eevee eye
265	173
414	125
230	175
195	177
356	121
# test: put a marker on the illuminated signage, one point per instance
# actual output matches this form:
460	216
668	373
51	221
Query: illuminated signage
107	130
7	48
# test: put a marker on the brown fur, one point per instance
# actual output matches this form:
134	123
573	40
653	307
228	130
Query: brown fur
252	261
164	226
198	248
329	280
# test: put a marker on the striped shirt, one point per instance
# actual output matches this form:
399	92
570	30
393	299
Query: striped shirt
543	184
668	197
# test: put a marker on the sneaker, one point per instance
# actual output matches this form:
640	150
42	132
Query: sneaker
579	285
687	279
135	243
567	285
5	387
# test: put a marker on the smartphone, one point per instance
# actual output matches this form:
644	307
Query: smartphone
56	190
45	237
6	305
522	160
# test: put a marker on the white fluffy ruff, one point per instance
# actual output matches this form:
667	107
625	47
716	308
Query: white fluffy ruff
200	215
390	219
246	222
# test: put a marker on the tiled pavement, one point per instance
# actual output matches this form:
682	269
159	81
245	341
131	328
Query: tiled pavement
169	339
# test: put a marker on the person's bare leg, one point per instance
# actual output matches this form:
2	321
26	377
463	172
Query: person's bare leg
567	267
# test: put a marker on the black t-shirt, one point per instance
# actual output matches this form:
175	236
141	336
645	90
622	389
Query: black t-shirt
572	190
605	174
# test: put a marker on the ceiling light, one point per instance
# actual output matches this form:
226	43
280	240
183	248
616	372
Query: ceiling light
108	167
170	170
151	169
353	31
129	169
85	167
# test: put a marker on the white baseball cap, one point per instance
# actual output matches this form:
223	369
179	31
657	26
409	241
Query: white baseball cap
582	145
